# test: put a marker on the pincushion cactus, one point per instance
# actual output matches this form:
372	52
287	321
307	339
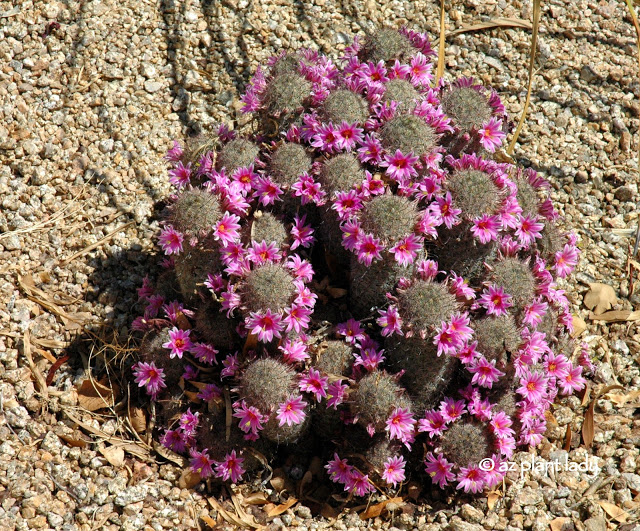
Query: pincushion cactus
359	268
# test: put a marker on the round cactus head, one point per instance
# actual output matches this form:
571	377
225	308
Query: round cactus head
288	162
517	280
402	91
467	107
341	173
468	441
375	397
192	267
345	105
237	153
215	327
198	146
410	134
266	383
389	217
527	196
424	305
195	212
268	287
286	93
497	338
387	45
266	227
334	357
474	192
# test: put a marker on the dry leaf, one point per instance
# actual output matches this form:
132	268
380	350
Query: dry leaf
615	316
567	439
209	521
621	400
492	498
228	515
329	512
256	498
94	395
283	507
413	490
138	419
588	428
169	455
614	511
306	479
600	297
499	22
336	293
561	524
75	438
114	455
376	510
188	479
579	326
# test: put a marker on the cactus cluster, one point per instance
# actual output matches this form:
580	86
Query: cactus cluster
359	270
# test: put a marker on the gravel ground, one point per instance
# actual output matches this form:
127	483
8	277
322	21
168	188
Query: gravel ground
91	94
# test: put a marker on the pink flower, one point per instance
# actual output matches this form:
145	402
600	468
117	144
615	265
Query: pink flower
245	177
495	300
352	330
501	425
372	186
346	203
205	353
171	240
371	150
394	470
302	269
339	470
461	288
230	467
179	342
291	411
445	340
326	138
390	321
174	440
201	463
439	469
528	230
572	381
468	353
335	394
369	358
400	167
351	234
262	253
405	250
348	135
446	211
297	318
420	70
175	153
314	383
471	479
302	234
251	420
491	135
485	228
368	249
294	351
308	190
266	190
556	365
433	423
180	175
359	483
565	260
452	409
149	376
485	373
266	325
189	422
400	424
226	229
230	364
533	386
209	392
459	327
534	312
428	269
